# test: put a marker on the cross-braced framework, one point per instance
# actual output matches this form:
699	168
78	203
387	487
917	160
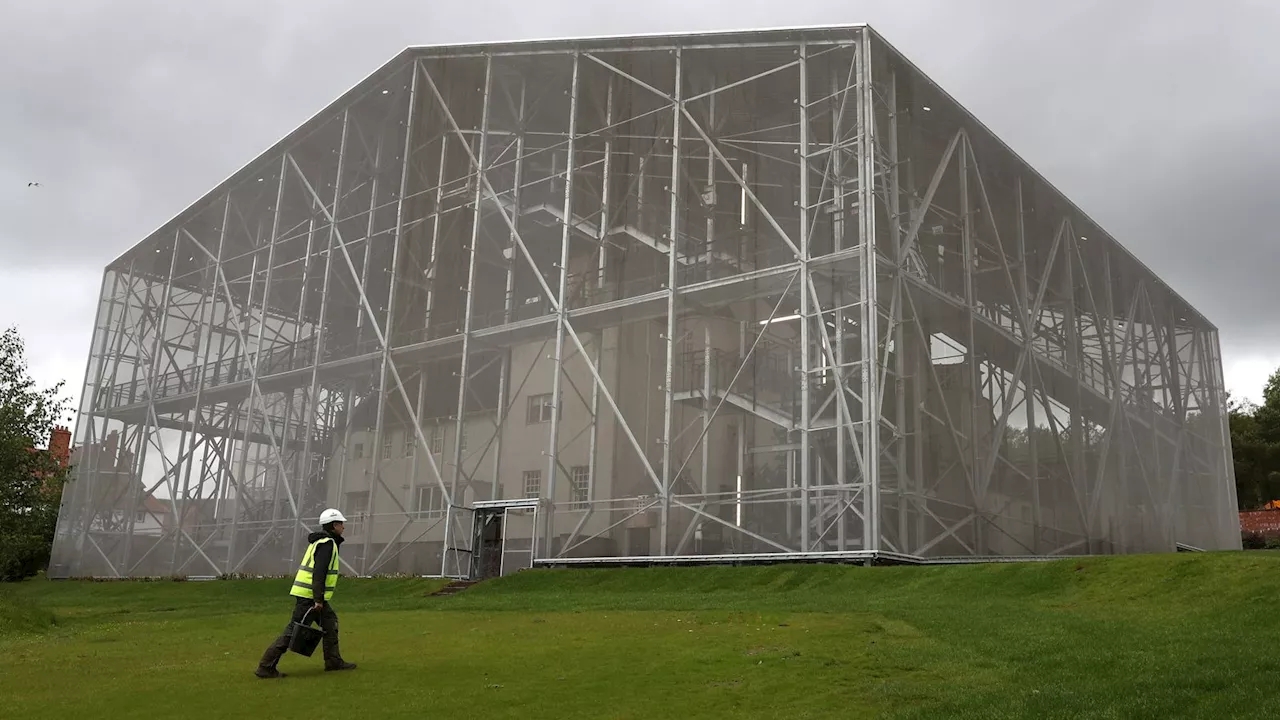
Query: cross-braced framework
752	295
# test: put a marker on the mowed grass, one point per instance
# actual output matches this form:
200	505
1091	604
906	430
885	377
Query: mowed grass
1143	637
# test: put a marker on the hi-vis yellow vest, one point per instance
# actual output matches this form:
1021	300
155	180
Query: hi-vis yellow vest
302	581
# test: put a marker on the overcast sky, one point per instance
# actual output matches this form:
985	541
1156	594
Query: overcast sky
1157	117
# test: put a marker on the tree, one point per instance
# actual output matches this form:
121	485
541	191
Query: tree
1255	445
31	479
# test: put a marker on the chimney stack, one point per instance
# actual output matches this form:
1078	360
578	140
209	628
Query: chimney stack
60	444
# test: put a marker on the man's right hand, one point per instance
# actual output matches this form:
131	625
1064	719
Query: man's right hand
319	606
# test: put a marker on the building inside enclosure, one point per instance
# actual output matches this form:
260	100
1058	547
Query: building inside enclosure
765	294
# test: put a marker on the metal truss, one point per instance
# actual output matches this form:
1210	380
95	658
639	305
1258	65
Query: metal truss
760	295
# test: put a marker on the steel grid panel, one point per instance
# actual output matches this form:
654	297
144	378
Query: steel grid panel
767	295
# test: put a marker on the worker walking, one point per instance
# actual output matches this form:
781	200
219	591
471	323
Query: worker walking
313	589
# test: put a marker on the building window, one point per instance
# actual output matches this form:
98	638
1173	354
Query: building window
437	439
532	483
539	409
463	438
358	503
410	442
580	486
386	447
357	452
430	502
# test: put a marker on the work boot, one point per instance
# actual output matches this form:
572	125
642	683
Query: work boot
269	673
341	665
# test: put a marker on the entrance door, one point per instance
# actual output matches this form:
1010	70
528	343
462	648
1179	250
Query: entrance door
459	543
503	539
486	558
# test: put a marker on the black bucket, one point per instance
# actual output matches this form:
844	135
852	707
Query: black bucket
303	638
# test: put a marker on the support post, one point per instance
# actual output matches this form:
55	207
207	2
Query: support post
388	331
836	106
316	355
673	237
971	352
504	377
473	243
807	316
557	404
1028	336
606	195
869	317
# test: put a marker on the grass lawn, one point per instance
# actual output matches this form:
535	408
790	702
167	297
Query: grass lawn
1143	637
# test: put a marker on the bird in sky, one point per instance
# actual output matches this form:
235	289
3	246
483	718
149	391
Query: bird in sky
33	184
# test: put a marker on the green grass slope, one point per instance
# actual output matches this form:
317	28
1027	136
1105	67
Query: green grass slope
1150	637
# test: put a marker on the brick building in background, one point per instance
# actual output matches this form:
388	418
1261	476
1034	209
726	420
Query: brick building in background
60	444
59	448
1265	522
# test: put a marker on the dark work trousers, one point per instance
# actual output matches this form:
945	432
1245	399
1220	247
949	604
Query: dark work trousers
328	620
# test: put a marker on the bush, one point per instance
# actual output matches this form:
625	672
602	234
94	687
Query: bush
1253	541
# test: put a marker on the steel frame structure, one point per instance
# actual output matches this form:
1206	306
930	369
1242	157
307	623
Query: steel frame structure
759	295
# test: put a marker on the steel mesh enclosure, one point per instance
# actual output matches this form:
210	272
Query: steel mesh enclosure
754	295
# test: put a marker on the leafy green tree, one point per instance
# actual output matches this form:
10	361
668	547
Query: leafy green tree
1255	445
31	480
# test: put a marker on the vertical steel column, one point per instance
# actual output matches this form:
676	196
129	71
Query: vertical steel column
306	399
223	476
917	353
707	354
349	404
742	437
606	178
1132	352
971	310
242	355
504	379
711	187
1116	386
1028	336
316	354
415	503
262	326
805	311
427	324
389	318
553	450
673	237
837	101
464	365
1079	483
869	315
905	477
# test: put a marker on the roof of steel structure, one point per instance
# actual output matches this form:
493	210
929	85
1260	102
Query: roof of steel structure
646	41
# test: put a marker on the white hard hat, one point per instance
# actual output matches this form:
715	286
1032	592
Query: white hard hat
331	515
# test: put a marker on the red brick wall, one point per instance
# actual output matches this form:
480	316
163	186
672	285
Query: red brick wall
60	444
1266	522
